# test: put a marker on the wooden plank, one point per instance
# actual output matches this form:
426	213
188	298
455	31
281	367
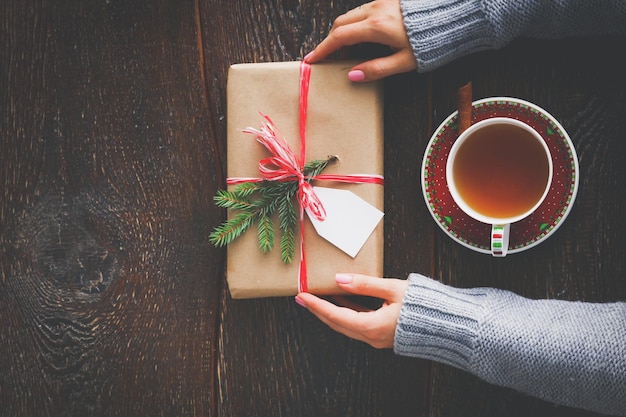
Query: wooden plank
276	358
583	259
105	304
112	141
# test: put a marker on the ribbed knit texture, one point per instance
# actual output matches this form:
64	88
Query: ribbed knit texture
441	31
568	353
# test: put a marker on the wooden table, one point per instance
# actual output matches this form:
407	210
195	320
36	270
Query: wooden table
112	145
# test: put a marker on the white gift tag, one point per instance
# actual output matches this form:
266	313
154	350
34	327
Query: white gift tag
349	222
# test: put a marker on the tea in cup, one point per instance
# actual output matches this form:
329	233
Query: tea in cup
499	171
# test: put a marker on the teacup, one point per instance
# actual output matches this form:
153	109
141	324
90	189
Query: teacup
499	171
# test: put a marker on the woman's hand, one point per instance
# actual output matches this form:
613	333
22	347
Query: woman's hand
375	327
378	22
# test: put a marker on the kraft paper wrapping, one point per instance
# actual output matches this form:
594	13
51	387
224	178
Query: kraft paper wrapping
344	119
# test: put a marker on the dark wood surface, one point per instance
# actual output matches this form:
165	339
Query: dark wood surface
112	144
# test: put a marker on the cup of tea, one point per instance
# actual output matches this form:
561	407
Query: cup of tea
499	171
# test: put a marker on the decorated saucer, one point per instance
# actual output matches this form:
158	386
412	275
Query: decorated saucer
526	233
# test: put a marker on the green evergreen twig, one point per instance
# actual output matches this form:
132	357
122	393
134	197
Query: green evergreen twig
257	202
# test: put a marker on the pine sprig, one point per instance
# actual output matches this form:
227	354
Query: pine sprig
287	220
314	168
232	229
266	233
246	188
257	202
233	200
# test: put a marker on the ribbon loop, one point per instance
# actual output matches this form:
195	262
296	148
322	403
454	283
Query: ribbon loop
283	165
311	202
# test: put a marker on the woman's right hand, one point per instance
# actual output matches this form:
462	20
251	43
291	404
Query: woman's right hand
375	327
380	22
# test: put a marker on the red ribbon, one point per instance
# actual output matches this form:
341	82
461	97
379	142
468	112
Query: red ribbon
283	165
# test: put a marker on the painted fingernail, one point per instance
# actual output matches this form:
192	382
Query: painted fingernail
307	56
343	278
356	75
300	301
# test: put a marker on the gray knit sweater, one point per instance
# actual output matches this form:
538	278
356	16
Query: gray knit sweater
569	353
441	31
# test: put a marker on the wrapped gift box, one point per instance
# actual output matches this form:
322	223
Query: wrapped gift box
344	119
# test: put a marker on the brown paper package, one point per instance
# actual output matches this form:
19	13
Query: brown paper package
344	119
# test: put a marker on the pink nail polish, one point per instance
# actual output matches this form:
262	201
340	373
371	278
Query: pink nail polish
356	75
307	56
343	278
300	301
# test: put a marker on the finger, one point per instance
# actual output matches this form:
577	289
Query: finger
377	328
331	43
373	327
389	289
351	16
346	302
341	36
376	69
340	319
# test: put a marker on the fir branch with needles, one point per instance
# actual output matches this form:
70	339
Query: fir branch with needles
258	202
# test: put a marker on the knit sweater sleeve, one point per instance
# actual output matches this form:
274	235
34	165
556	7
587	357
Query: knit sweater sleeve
568	353
441	31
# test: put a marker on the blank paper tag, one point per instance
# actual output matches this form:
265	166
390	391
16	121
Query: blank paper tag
349	222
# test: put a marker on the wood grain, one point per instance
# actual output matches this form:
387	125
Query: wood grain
112	144
275	359
577	262
105	158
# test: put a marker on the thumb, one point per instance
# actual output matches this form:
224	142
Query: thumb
378	68
389	289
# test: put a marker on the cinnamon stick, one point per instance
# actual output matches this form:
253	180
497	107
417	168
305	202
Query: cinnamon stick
464	106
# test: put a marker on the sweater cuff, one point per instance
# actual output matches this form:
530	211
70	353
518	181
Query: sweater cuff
439	323
441	32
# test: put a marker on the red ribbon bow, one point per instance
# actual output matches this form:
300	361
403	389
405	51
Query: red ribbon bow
284	165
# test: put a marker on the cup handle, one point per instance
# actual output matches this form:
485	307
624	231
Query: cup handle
500	239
